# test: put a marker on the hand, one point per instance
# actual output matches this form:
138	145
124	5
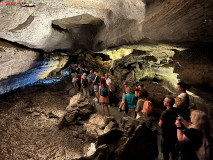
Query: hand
178	123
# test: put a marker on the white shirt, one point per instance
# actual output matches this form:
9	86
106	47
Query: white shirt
185	100
109	82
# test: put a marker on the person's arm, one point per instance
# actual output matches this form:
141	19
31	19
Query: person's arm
110	85
180	136
99	90
136	93
184	122
121	105
160	122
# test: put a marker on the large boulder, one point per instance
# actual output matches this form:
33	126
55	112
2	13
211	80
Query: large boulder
77	112
99	125
133	140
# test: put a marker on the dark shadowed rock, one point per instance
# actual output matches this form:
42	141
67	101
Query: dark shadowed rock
133	141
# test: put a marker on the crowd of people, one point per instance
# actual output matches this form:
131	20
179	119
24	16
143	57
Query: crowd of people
90	82
183	134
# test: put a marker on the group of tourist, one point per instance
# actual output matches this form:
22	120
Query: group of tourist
89	82
180	131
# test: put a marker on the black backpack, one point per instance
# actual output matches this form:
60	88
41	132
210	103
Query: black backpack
85	83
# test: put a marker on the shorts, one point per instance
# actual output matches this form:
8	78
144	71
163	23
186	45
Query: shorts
95	88
74	80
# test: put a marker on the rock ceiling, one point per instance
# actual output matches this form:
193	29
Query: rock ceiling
99	24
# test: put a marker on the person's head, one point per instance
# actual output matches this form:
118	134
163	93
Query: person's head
168	101
125	83
128	90
199	120
95	73
106	76
140	86
141	94
181	87
103	82
90	71
84	75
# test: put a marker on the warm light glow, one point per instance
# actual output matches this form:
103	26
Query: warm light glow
118	54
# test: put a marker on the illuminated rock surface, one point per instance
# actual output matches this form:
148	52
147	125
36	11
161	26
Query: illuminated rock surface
100	24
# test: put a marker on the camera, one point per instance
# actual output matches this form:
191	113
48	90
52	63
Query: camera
179	117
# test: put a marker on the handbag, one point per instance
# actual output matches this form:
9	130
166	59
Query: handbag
125	106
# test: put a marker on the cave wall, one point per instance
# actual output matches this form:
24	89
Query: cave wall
14	60
166	65
21	67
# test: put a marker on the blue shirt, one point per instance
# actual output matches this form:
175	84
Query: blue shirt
130	100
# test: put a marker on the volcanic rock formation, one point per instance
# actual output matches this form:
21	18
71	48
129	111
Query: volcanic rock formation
99	24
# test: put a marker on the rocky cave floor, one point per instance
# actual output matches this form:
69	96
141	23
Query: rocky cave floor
29	119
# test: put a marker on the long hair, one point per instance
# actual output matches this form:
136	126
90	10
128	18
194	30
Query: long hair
200	121
103	82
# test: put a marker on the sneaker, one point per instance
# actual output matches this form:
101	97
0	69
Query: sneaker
108	105
94	98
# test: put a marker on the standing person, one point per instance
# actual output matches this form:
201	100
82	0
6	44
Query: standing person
90	77
85	85
96	85
140	102
81	70
129	98
109	84
104	95
190	138
74	79
169	129
79	81
124	88
183	97
141	88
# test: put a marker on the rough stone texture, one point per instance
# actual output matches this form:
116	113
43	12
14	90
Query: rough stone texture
100	24
21	67
99	125
78	111
134	140
28	126
166	64
14	60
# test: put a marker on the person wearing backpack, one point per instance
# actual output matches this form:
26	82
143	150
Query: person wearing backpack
104	95
140	103
90	77
85	85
